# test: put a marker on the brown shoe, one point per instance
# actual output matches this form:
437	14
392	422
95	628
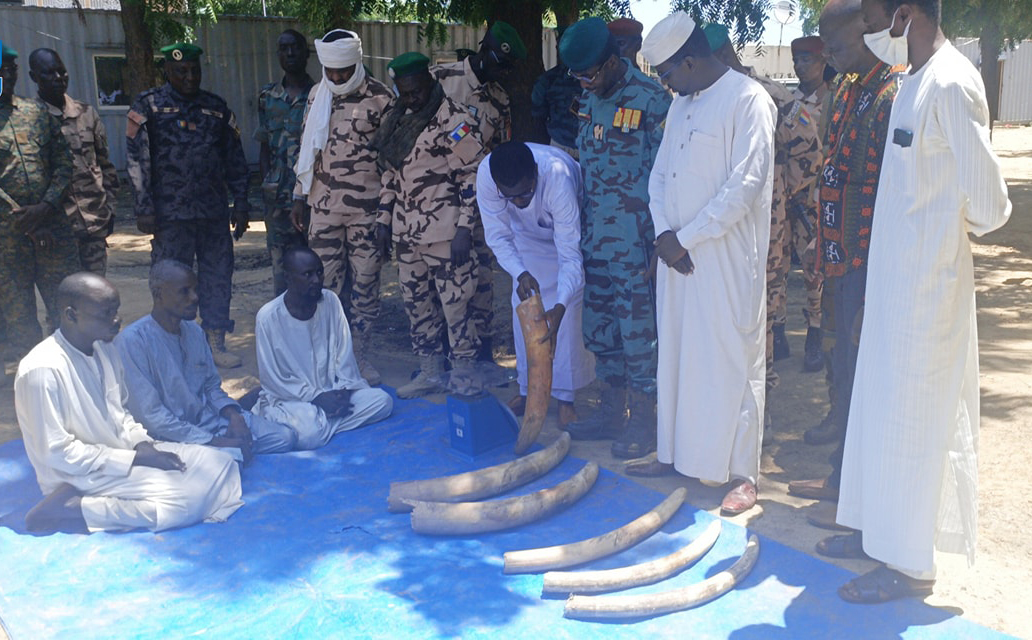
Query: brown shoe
739	499
567	413
815	489
648	467
824	518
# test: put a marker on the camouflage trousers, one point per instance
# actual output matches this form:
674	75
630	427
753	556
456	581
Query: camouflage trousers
25	266
482	304
210	243
280	235
437	296
777	270
93	253
800	238
619	318
347	248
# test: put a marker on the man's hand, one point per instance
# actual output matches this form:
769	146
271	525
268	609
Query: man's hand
526	286
238	430
241	217
461	245
553	317
148	456
335	404
297	217
28	219
146	224
382	238
673	254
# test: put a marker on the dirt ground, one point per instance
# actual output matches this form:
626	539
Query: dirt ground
993	592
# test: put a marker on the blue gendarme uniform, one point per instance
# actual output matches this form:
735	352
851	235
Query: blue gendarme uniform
618	140
185	161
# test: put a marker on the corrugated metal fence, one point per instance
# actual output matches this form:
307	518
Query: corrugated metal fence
240	56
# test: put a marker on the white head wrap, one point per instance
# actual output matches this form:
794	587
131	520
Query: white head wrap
338	54
667	37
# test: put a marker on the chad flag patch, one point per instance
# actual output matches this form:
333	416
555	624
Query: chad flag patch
459	132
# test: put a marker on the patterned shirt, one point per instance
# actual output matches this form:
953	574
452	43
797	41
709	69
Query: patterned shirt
555	100
35	164
90	204
857	129
487	101
280	119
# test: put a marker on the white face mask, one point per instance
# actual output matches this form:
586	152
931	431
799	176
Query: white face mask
892	50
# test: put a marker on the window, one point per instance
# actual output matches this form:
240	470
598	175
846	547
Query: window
112	74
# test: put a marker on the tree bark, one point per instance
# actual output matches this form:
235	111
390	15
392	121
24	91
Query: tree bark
991	43
525	17
139	54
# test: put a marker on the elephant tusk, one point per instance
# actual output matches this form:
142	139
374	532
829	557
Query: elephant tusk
651	604
494	515
482	483
634	575
574	553
531	313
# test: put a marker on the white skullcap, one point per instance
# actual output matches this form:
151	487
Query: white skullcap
667	37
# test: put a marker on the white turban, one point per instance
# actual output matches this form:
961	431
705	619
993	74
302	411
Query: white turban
339	54
667	37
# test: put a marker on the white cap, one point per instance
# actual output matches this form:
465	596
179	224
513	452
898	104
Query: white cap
667	37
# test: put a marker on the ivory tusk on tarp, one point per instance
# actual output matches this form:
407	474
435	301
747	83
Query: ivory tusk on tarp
531	314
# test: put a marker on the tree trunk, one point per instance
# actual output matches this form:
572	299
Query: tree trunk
525	17
139	54
991	43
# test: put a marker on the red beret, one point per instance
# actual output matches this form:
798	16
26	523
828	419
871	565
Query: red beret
809	44
625	27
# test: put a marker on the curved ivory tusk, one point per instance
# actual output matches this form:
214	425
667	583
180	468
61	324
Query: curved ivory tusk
531	313
651	604
494	515
634	575
482	483
574	553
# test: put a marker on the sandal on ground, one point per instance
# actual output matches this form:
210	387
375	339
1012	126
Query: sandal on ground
849	546
816	489
648	467
884	585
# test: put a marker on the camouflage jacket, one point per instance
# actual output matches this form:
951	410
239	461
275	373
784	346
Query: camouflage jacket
434	192
280	119
797	149
618	140
182	155
90	204
555	99
345	177
488	102
35	163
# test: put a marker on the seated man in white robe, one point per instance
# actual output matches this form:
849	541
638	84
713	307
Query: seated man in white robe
96	466
529	197
174	388
709	194
309	375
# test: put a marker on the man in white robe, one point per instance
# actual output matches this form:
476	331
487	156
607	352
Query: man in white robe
309	374
529	198
710	194
96	465
174	388
909	472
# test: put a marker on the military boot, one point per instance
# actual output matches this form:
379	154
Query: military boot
781	350
813	357
360	342
640	437
223	359
607	421
427	380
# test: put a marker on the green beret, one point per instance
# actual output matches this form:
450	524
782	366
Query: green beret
717	35
182	51
7	53
584	44
408	64
503	37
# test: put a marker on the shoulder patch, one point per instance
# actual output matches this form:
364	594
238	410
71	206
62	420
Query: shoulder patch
136	120
459	132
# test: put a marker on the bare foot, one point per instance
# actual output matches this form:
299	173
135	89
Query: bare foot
60	511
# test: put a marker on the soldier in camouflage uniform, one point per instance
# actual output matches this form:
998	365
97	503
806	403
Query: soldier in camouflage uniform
622	114
429	150
474	83
90	203
339	178
37	245
554	103
183	154
281	109
795	147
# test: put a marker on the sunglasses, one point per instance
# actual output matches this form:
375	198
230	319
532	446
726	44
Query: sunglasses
587	79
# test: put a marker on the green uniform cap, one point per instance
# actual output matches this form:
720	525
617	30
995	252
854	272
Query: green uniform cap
717	35
7	53
408	64
584	44
503	37
182	51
